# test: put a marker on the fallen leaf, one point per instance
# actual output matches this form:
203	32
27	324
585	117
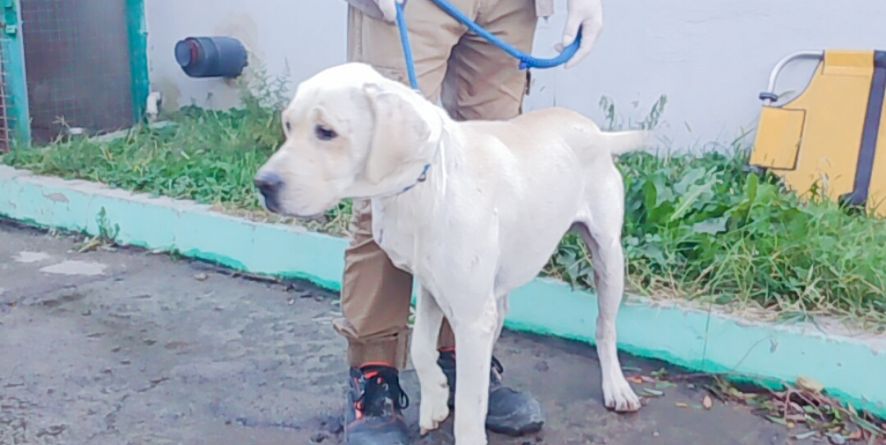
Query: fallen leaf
647	379
653	392
634	379
738	394
806	435
856	435
862	423
681	405
809	384
799	418
90	245
809	409
707	403
201	276
778	420
836	438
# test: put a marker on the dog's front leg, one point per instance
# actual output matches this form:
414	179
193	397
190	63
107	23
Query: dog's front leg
434	408
475	323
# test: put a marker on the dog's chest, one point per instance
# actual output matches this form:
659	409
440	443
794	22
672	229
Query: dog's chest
396	236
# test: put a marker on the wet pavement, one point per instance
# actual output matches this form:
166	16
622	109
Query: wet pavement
128	347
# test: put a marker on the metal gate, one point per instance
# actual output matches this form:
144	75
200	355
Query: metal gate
78	66
86	67
4	119
13	99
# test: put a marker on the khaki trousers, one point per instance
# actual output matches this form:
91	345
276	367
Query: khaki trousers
472	80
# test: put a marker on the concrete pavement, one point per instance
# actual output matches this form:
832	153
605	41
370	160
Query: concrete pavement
129	347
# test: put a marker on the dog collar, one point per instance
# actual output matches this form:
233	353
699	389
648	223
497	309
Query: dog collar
438	152
421	178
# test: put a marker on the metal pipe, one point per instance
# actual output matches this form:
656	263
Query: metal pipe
769	96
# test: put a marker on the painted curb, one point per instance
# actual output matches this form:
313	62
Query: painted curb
851	368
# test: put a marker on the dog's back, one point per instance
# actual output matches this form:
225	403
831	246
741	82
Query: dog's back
581	133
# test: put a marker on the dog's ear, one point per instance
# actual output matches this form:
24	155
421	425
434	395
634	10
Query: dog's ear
399	131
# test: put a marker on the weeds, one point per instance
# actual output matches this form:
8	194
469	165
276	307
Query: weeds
107	234
208	156
705	227
804	407
803	404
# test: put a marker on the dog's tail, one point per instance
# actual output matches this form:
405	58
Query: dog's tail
581	133
621	142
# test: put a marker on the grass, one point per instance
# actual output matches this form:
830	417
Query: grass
697	227
208	157
704	227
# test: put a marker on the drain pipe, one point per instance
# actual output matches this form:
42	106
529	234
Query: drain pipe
208	57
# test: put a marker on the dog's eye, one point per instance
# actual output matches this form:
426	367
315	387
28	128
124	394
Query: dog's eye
325	134
288	126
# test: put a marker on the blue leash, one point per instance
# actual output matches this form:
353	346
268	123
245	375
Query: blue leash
527	61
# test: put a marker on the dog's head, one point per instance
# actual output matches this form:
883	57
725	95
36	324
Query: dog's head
350	132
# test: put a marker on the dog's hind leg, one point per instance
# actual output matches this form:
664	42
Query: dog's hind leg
600	226
434	407
603	238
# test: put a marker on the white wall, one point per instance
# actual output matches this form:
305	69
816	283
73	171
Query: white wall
289	38
709	57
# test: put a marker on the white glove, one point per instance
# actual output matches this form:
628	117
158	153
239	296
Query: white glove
388	9
587	14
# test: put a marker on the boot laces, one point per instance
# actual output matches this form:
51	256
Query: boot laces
381	387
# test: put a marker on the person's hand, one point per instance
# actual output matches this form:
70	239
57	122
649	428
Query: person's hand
388	9
587	15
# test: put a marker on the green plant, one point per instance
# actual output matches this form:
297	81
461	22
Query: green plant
612	120
208	156
107	234
106	231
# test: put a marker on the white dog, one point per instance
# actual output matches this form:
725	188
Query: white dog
472	209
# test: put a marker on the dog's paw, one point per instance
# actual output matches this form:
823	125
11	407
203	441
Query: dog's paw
432	417
619	396
434	407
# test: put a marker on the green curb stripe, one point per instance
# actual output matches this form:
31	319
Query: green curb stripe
852	369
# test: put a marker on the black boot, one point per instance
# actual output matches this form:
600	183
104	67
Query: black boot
375	402
511	412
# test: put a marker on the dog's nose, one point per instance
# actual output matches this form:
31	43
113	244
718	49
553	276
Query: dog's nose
268	183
